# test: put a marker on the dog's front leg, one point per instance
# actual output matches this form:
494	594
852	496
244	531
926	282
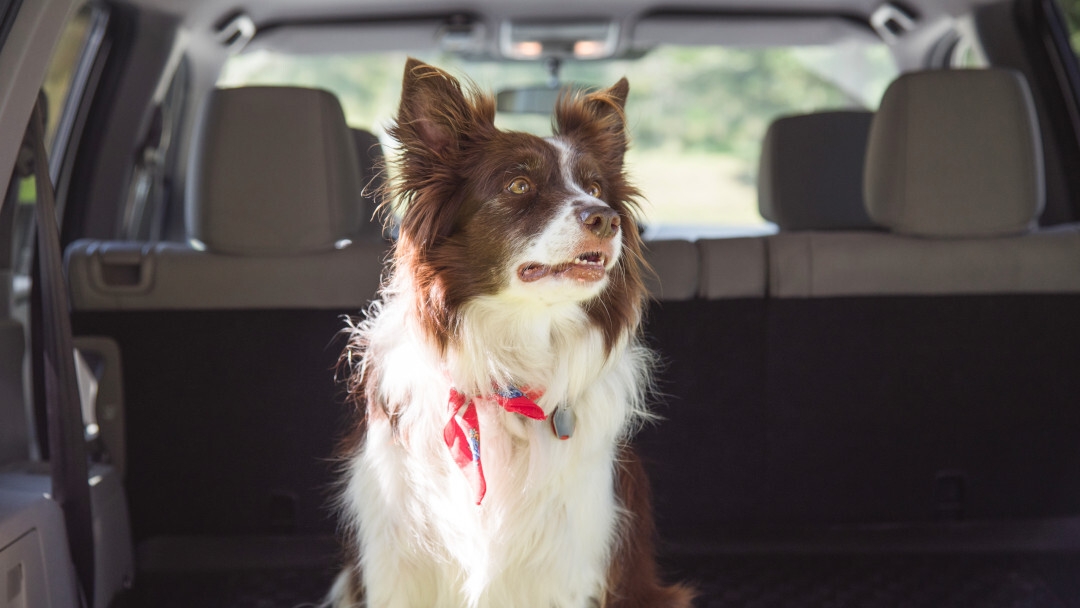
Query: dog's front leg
392	580
633	580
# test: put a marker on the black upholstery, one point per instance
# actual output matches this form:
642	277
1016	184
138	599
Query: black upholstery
232	418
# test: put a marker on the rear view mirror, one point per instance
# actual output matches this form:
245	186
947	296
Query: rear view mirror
539	99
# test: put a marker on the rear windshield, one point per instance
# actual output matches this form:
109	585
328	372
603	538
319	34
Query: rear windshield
697	115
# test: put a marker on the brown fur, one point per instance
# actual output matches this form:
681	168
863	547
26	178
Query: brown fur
633	580
596	123
455	161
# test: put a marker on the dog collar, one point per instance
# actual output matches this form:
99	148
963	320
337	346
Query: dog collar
462	431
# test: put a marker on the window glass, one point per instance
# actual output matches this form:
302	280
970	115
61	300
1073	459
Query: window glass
966	52
1071	10
58	83
62	68
62	80
147	214
697	115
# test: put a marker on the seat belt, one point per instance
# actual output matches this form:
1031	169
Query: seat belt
67	444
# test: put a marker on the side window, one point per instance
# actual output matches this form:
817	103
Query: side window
1071	10
62	68
147	214
64	84
966	51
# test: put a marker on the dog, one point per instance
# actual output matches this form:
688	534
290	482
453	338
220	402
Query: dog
500	374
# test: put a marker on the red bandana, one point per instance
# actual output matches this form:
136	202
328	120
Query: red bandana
462	432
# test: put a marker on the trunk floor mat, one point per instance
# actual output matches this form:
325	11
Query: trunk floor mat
870	581
729	581
238	589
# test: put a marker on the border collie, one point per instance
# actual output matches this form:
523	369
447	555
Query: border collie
500	375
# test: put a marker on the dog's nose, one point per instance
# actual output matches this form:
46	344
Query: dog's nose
601	221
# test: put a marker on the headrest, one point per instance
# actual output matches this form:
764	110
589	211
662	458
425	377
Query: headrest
955	153
811	171
275	172
370	154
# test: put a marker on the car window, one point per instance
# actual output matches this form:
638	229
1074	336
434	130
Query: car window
697	115
145	213
66	78
1071	10
62	79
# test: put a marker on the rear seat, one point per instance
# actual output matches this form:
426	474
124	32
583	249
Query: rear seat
960	205
710	308
810	173
716	412
372	177
925	372
275	218
675	269
228	344
865	385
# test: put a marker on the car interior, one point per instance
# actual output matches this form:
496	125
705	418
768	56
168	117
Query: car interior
862	220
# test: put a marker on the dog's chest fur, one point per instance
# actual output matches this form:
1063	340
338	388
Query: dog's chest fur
543	533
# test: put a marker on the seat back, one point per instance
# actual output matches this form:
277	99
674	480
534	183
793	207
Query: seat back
228	342
810	171
709	458
927	372
276	217
708	327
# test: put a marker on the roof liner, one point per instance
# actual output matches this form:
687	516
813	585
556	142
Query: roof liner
420	34
205	13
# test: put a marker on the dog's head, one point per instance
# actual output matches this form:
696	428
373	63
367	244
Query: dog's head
537	221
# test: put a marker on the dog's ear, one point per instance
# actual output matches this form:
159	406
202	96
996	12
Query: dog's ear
597	120
436	115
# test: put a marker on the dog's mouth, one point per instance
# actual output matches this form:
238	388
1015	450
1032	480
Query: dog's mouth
588	267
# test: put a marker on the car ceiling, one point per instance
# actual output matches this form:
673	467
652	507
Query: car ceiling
206	13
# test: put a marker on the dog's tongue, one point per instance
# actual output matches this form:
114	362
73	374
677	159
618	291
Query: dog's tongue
579	272
586	272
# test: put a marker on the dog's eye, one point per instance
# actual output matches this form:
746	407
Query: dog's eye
520	185
593	190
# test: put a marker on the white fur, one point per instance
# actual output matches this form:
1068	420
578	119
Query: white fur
543	535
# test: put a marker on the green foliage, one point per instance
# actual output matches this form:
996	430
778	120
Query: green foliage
720	100
27	191
62	67
1071	9
701	99
697	115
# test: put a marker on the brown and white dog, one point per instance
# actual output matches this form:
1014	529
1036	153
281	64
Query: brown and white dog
500	375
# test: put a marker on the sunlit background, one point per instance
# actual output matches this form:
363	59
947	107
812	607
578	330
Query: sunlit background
697	115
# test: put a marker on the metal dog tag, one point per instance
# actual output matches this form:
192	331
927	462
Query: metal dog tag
562	422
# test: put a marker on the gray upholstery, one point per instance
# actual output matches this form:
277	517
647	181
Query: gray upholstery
810	173
275	171
715	269
181	278
675	267
817	264
372	175
278	205
732	268
954	171
955	153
